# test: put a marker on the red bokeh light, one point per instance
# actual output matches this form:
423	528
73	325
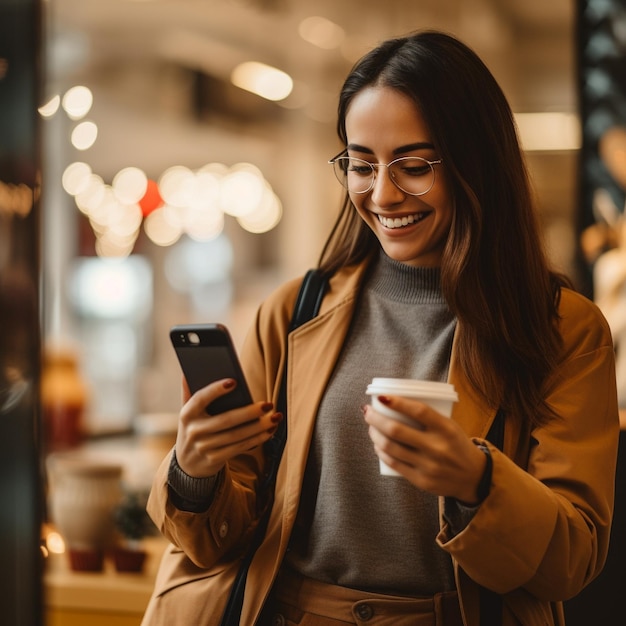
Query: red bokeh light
151	200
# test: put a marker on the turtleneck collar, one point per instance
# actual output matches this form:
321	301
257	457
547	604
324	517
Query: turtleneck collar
404	283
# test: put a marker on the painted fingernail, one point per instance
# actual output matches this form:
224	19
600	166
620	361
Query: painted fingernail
271	431
384	400
267	406
229	384
276	417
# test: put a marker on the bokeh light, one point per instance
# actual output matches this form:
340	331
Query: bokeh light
51	107
77	102
130	185
84	135
321	32
263	80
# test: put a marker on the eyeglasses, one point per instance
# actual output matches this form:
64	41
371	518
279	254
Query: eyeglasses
412	175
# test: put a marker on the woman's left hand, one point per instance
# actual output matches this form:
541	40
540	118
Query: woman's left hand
436	455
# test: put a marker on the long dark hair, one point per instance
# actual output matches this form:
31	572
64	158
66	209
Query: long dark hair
494	272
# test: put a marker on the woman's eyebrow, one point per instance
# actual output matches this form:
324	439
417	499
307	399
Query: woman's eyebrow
420	145
357	148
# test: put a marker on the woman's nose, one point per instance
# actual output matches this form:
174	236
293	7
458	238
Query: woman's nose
385	192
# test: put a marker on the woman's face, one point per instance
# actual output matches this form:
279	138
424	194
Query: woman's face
383	124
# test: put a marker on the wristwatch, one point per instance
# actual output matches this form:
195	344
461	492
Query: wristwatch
484	486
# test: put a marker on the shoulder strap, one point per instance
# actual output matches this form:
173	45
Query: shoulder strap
310	298
307	306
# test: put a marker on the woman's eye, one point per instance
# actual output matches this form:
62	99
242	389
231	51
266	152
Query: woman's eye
415	169
360	168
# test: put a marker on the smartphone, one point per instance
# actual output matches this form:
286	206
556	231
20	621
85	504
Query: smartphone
206	353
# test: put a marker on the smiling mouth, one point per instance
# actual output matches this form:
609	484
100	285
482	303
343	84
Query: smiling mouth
401	222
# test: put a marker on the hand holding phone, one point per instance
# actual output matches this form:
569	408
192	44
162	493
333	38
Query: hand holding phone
206	353
203	446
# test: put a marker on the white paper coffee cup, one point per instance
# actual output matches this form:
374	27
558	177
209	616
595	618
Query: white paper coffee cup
439	396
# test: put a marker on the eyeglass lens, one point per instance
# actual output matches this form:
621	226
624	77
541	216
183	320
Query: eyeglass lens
412	175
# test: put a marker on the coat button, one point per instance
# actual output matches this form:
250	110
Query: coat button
278	620
364	612
223	531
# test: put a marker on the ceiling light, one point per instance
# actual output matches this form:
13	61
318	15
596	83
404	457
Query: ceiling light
548	131
321	32
265	81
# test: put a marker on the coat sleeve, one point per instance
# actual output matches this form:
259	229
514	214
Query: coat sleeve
217	532
545	525
223	531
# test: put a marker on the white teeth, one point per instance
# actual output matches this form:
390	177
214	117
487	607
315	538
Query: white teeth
399	222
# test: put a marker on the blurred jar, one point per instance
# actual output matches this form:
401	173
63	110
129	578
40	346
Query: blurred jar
83	496
63	399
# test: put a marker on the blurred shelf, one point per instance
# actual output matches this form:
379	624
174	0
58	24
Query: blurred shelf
108	597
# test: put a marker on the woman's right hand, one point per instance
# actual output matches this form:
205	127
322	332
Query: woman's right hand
204	443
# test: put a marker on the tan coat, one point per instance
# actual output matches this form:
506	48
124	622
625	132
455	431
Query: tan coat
538	538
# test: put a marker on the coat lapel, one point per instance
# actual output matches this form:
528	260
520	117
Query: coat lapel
313	352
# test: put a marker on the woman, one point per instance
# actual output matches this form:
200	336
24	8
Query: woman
437	273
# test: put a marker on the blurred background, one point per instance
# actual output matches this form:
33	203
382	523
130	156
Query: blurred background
240	195
165	162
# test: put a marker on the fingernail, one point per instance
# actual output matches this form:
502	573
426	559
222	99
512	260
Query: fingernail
384	400
363	408
276	417
229	384
267	406
271	431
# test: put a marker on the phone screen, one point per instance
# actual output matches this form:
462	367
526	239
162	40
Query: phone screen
206	353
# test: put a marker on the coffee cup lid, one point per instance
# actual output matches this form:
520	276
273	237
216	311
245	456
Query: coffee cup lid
412	388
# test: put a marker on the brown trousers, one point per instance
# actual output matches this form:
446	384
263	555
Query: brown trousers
298	601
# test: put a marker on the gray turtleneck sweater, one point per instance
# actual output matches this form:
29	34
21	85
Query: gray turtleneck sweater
355	527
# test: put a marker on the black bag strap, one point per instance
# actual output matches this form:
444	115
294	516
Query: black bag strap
307	306
490	601
310	298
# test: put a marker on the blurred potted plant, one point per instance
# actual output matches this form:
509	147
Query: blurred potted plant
133	524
